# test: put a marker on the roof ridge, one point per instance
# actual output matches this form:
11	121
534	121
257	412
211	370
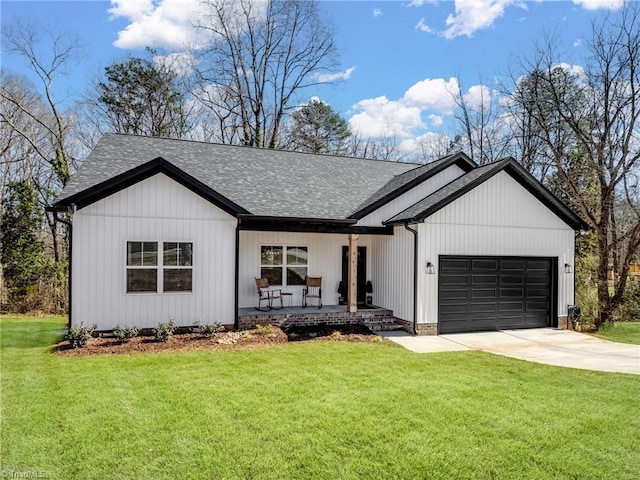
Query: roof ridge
236	146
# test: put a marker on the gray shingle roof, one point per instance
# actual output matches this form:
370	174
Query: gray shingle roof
265	182
277	183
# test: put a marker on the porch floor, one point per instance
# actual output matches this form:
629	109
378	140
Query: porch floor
248	317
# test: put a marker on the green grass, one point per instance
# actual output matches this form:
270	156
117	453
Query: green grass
333	410
624	332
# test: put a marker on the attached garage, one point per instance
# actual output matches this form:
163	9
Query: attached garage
494	250
494	293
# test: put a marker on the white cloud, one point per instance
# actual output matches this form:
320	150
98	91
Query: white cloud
333	77
598	4
377	12
133	9
423	26
478	97
433	94
576	70
436	120
427	102
419	3
165	23
577	42
379	117
473	15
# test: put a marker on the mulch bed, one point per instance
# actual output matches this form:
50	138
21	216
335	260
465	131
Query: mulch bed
247	339
349	333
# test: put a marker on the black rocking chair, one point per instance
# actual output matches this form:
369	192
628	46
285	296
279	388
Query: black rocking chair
267	294
313	289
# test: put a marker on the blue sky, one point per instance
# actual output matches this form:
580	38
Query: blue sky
398	59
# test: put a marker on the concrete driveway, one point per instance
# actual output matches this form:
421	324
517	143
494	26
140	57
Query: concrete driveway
552	346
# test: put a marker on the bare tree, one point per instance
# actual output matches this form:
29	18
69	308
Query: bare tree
262	55
24	40
589	123
433	146
385	147
40	131
480	127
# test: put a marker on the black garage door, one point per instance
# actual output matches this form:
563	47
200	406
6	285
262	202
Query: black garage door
494	293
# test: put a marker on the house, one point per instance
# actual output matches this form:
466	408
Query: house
180	229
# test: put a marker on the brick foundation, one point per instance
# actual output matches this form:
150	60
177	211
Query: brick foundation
423	328
565	323
427	329
318	318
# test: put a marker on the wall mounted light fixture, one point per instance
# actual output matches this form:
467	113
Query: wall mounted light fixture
568	268
430	268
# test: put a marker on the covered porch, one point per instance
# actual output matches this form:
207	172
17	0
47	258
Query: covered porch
344	262
363	280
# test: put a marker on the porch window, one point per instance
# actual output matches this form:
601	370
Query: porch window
284	264
142	271
177	267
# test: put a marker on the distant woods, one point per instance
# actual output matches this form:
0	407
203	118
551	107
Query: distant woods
253	81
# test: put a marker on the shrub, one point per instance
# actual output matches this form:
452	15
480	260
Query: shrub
124	334
265	329
586	280
208	329
164	331
78	337
629	310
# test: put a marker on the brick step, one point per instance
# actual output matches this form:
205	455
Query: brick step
383	324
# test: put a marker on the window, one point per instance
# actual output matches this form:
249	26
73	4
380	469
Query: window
279	263
140	257
143	267
177	271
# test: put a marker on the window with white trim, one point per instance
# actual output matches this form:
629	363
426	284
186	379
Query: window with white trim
142	267
148	272
284	264
177	267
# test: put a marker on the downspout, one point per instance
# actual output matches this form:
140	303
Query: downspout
237	277
71	210
415	277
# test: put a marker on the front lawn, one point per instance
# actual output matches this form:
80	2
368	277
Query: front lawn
307	410
624	332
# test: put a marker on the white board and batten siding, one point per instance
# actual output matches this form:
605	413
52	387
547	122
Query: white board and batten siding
411	197
392	256
324	260
161	210
392	277
497	218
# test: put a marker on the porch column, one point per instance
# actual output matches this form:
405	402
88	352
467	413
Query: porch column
352	297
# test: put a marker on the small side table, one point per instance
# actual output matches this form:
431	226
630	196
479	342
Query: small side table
285	295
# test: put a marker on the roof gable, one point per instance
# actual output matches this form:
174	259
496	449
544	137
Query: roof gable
406	181
158	165
451	192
